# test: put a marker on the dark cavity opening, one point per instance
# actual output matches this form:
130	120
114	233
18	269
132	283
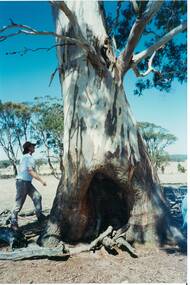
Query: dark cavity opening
108	204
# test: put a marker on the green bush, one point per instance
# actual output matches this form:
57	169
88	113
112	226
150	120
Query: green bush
4	164
180	168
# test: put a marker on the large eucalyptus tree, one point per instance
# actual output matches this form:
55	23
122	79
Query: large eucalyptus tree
108	177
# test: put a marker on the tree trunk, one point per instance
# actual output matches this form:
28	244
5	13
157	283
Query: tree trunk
108	178
13	162
15	168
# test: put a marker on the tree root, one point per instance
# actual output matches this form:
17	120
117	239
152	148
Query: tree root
109	239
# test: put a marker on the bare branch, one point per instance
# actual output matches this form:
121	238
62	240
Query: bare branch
14	25
3	38
135	6
136	33
117	13
80	42
25	50
33	32
146	53
149	70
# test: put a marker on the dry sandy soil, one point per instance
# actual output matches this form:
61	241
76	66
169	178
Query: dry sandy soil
152	266
163	265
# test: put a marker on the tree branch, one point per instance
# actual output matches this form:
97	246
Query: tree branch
33	32
80	41
25	50
149	70
135	6
117	13
136	33
148	52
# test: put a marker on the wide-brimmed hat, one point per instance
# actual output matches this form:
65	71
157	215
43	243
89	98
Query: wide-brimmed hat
26	146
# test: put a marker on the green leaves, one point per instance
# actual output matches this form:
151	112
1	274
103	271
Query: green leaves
14	128
48	126
170	57
49	118
156	139
41	121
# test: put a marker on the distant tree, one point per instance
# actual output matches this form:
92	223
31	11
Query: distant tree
14	128
39	163
48	129
181	168
4	163
157	139
178	157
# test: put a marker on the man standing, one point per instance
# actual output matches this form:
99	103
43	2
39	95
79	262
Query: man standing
24	185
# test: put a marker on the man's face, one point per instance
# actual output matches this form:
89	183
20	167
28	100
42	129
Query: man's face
32	149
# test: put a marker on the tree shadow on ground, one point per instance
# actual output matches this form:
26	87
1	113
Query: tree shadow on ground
33	229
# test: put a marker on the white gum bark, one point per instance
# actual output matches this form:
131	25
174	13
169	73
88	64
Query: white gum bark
100	133
98	119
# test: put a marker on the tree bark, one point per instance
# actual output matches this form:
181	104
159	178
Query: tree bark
15	168
108	178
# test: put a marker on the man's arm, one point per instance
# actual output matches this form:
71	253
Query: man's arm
36	176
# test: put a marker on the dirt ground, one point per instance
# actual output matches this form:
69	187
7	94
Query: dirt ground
152	266
163	265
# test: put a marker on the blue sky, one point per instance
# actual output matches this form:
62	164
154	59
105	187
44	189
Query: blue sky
24	77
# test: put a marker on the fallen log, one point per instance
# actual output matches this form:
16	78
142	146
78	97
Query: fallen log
93	244
60	251
108	243
34	252
101	237
122	243
120	231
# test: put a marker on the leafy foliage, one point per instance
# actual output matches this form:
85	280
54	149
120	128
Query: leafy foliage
156	139
181	168
178	157
171	59
48	124
42	121
14	127
4	163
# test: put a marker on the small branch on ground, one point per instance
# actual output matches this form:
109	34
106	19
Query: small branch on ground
121	242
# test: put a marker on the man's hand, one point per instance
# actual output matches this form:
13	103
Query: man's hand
35	175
